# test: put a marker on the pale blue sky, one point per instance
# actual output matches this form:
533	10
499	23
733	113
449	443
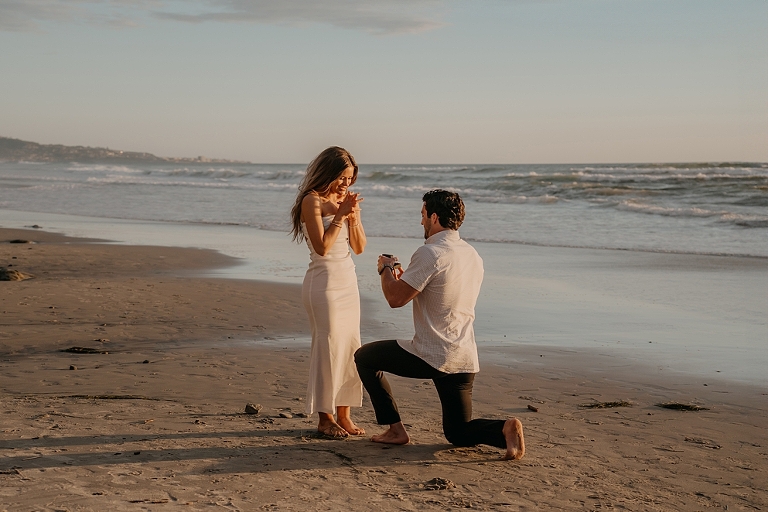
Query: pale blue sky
419	81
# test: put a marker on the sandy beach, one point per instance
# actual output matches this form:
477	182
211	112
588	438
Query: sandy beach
154	418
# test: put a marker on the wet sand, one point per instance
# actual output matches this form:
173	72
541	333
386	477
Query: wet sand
155	419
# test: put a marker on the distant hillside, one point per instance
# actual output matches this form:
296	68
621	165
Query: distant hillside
15	150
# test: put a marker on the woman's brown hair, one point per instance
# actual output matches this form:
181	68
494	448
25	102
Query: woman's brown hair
321	173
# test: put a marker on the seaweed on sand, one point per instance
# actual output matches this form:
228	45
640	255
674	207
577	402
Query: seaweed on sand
682	407
607	405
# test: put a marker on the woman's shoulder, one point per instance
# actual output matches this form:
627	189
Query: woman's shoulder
311	199
312	204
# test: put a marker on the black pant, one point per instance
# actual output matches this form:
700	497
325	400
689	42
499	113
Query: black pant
454	389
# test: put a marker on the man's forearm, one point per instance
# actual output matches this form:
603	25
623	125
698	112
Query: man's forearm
387	280
398	293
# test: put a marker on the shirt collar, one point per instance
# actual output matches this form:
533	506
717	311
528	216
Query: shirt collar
446	234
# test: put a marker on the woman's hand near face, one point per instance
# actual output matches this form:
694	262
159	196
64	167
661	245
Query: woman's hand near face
357	239
349	205
357	209
354	217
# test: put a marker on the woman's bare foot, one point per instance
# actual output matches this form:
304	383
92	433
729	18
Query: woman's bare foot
395	434
513	433
344	420
328	426
349	425
333	430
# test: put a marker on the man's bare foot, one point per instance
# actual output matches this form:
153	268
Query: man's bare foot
395	434
513	433
349	425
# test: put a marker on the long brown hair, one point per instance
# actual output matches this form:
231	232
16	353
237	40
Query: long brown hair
321	173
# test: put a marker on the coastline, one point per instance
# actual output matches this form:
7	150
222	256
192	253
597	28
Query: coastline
676	314
185	369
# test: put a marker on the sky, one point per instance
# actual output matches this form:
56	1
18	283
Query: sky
395	81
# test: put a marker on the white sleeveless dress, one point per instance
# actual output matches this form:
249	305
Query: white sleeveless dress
332	301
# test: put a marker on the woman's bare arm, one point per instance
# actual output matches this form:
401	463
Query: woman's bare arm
357	239
312	214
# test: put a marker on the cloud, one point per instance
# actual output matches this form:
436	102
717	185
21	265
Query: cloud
25	15
376	16
373	16
33	15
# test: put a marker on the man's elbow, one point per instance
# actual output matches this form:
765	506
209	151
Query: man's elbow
396	302
393	303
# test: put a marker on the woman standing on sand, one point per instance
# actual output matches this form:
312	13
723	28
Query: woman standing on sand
327	216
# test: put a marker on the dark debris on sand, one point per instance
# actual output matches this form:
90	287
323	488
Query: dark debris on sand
682	407
83	350
607	405
13	275
439	484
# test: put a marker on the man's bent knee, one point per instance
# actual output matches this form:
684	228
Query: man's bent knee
360	355
366	355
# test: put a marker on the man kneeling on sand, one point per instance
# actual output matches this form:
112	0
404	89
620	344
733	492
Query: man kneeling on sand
443	279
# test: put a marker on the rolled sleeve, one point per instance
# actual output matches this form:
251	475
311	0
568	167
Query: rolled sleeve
421	269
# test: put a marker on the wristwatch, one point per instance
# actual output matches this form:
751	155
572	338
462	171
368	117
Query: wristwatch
390	267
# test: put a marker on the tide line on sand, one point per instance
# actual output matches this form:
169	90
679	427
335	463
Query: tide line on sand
155	414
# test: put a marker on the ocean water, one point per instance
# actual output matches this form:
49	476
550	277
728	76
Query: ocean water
687	208
675	296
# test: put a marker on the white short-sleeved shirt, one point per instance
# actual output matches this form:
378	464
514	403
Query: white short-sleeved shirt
447	272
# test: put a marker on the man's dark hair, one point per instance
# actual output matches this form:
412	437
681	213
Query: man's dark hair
447	205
